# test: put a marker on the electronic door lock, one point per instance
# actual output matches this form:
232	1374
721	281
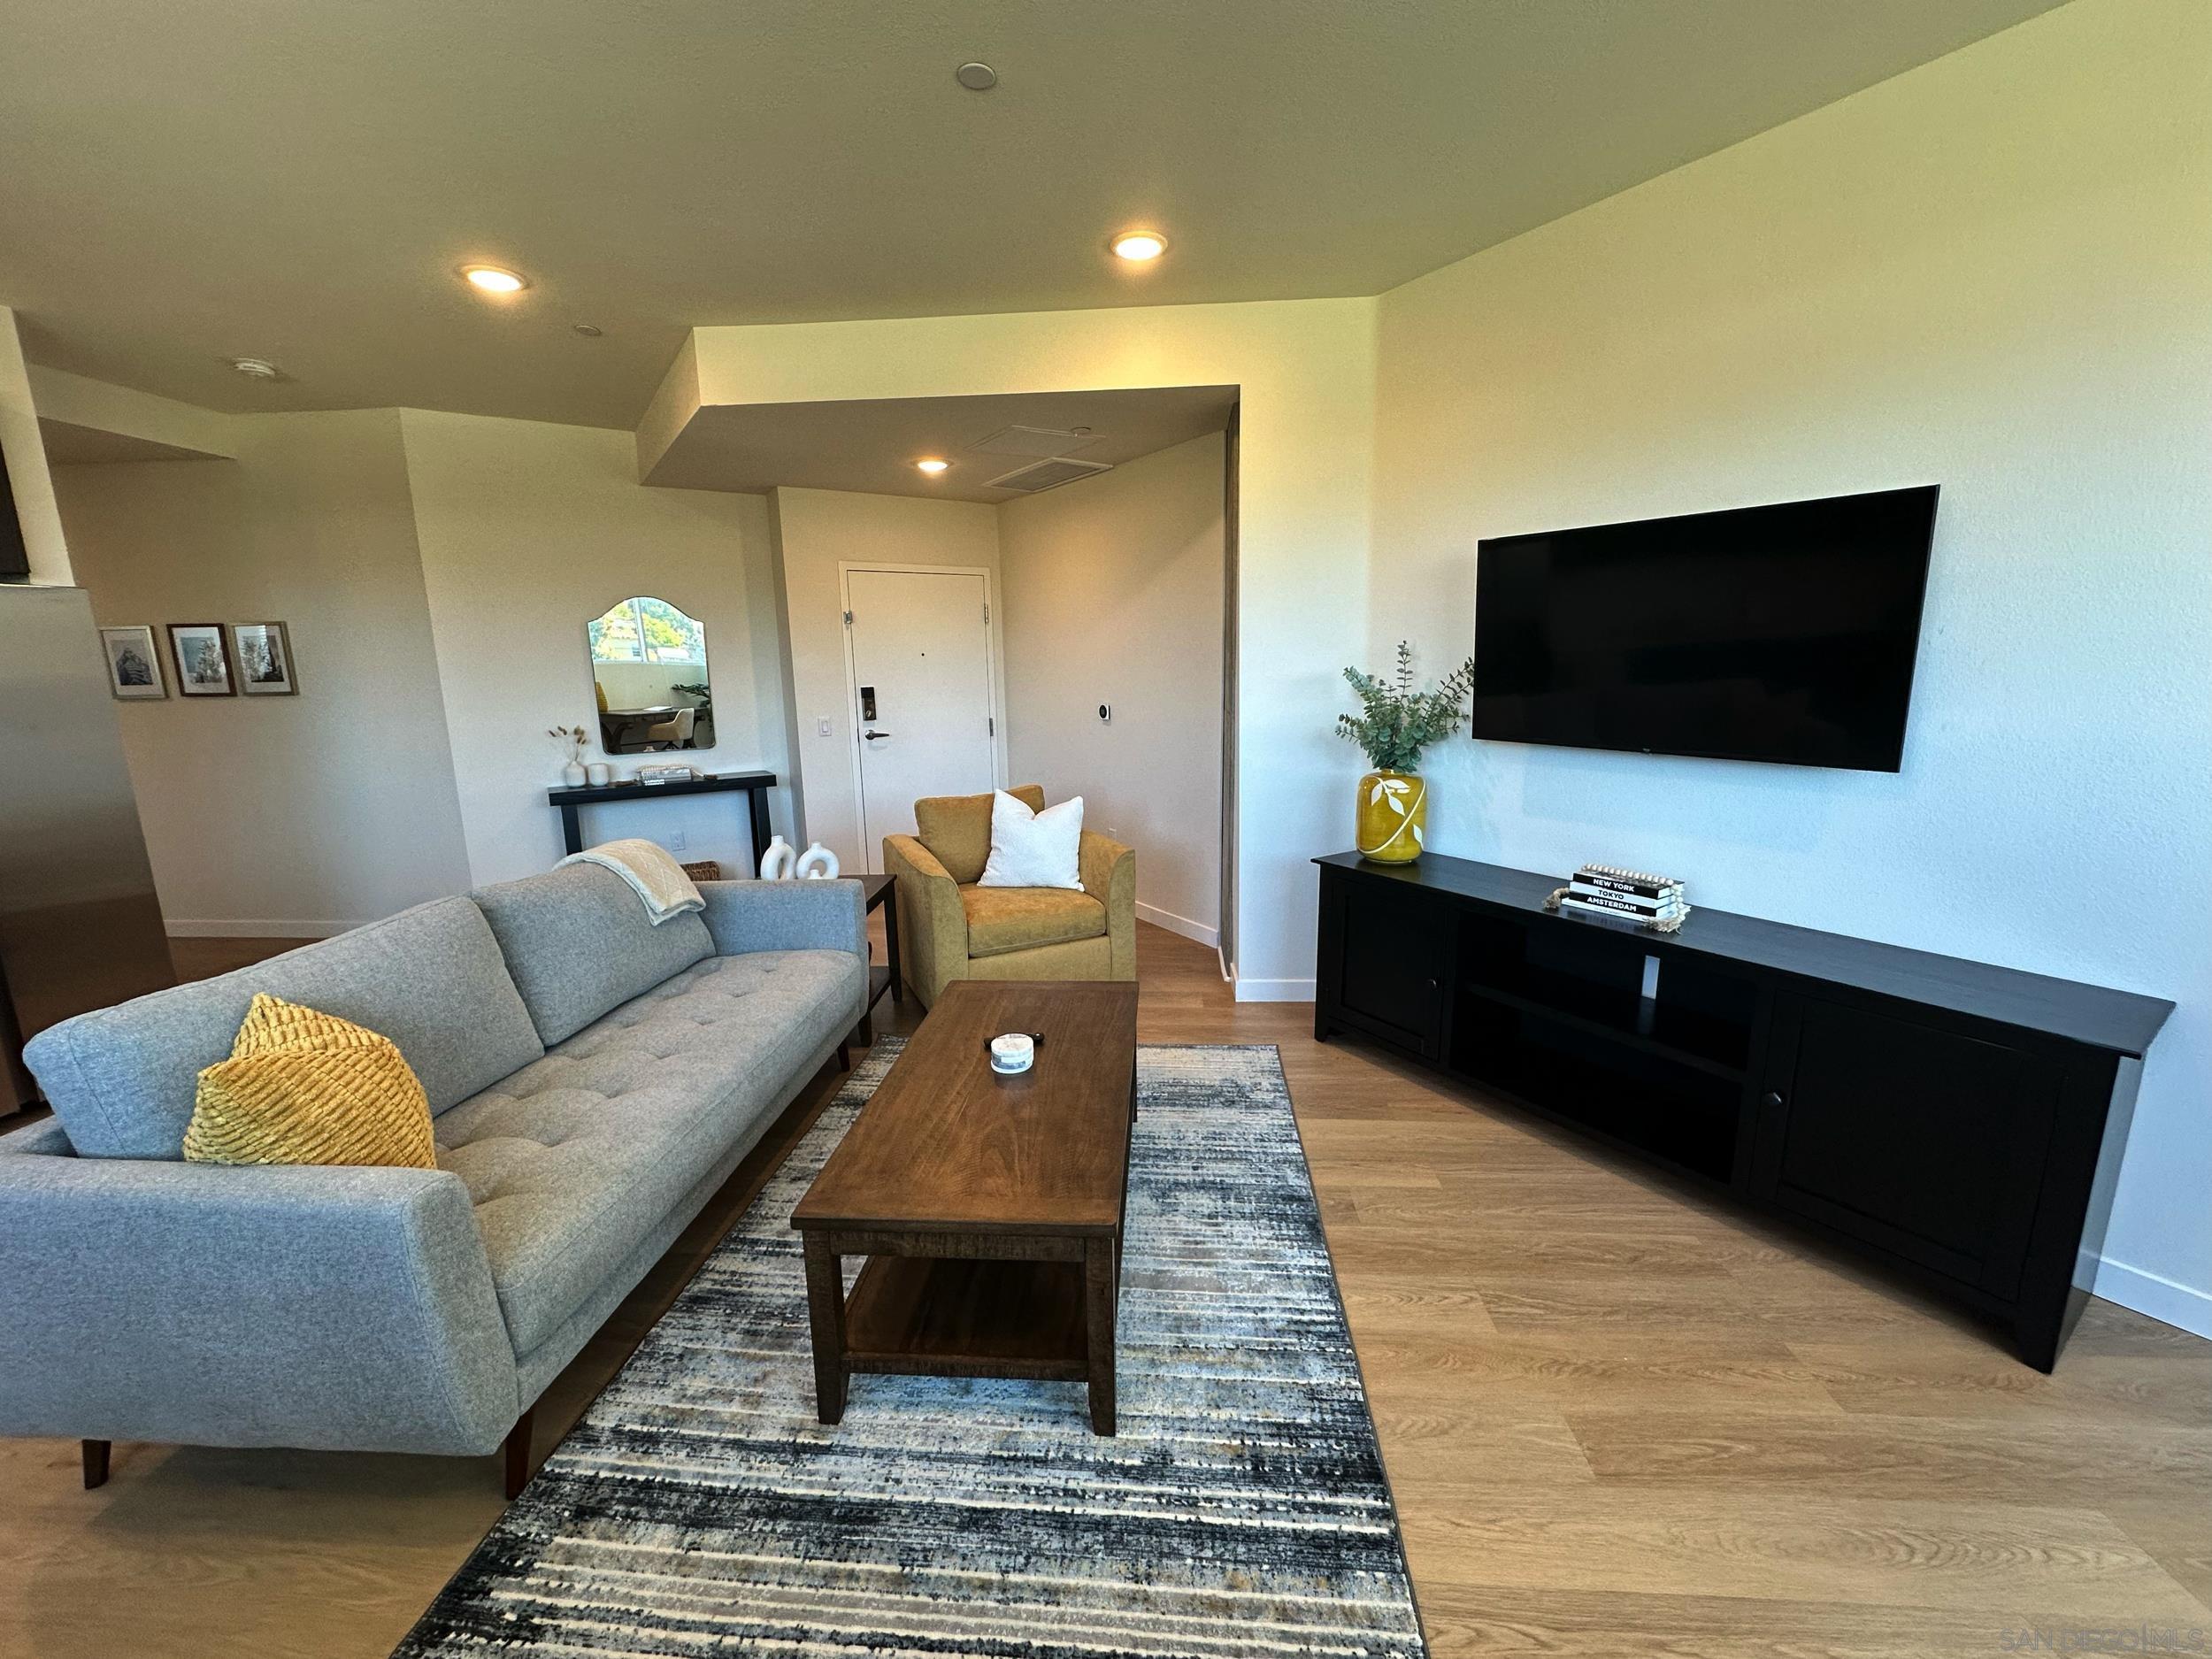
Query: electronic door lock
867	703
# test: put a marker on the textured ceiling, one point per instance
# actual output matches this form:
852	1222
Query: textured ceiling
187	180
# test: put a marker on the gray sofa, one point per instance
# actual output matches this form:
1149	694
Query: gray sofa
593	1079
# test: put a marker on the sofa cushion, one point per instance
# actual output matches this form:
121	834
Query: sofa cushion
956	828
572	1161
122	1080
1000	919
579	942
303	1086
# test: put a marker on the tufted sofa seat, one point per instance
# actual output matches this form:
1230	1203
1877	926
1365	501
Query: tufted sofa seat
571	1162
593	1080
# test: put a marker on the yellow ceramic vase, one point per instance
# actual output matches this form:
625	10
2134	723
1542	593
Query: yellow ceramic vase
1394	815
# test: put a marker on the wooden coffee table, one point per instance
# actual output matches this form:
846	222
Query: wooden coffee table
989	1207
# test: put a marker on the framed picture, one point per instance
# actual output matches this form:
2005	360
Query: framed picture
202	664
134	662
263	652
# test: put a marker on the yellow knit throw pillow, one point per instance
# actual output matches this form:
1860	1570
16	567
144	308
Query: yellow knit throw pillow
301	1087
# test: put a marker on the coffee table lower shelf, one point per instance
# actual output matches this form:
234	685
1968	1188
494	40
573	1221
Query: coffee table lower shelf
1046	1320
937	1316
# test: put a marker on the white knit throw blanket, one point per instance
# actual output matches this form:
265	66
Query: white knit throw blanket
655	878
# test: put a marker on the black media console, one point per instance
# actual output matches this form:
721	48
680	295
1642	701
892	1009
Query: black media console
1960	1122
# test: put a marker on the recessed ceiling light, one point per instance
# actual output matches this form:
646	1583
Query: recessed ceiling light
494	279
257	368
1137	246
588	330
932	465
976	77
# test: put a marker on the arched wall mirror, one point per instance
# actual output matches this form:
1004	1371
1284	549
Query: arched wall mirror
649	660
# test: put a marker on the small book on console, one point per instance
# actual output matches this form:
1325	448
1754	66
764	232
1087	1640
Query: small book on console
1590	890
1633	883
1615	904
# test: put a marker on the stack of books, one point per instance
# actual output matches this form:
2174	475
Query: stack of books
1604	890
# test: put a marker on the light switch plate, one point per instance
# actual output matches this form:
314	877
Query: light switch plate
822	726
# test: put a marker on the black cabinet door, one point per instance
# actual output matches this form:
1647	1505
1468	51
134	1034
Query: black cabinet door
1916	1137
1389	950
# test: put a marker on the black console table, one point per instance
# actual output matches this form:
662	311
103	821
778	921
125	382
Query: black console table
1959	1122
753	785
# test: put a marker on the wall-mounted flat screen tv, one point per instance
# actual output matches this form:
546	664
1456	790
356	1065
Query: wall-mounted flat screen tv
1786	633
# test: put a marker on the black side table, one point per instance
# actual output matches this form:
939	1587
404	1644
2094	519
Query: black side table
877	890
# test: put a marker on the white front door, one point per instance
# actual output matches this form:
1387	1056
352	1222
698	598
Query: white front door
921	692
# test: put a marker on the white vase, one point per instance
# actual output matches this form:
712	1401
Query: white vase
600	774
817	863
572	775
775	864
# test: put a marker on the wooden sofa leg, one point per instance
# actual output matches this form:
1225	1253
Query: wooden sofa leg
845	1056
517	1455
96	1463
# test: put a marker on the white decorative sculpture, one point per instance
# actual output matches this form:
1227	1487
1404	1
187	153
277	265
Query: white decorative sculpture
776	862
816	864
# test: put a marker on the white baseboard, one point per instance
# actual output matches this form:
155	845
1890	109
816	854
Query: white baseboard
2154	1294
1175	924
260	927
1274	990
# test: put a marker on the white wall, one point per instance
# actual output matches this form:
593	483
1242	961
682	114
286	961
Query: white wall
1995	273
1306	370
283	815
1114	595
816	531
530	530
436	573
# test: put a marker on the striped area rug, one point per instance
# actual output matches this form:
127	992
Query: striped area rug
700	1509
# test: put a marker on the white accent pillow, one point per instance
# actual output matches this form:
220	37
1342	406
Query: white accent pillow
1034	849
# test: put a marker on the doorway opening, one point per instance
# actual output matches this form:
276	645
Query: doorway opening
922	675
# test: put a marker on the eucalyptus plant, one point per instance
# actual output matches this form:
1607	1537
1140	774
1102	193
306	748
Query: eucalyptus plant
1395	721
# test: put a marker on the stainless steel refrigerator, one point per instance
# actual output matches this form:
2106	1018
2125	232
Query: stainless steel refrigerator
79	927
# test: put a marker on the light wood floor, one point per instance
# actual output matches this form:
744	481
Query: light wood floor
1619	1420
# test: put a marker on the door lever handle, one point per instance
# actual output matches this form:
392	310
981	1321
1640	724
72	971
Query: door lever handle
872	736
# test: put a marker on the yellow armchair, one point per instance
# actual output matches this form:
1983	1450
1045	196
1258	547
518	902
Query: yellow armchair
950	929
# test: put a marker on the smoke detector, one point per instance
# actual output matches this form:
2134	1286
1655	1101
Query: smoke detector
1047	474
257	368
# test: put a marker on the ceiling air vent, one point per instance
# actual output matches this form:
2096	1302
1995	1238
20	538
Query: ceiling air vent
1034	440
1047	474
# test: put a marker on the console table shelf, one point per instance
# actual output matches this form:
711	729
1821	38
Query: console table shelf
1956	1121
753	785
